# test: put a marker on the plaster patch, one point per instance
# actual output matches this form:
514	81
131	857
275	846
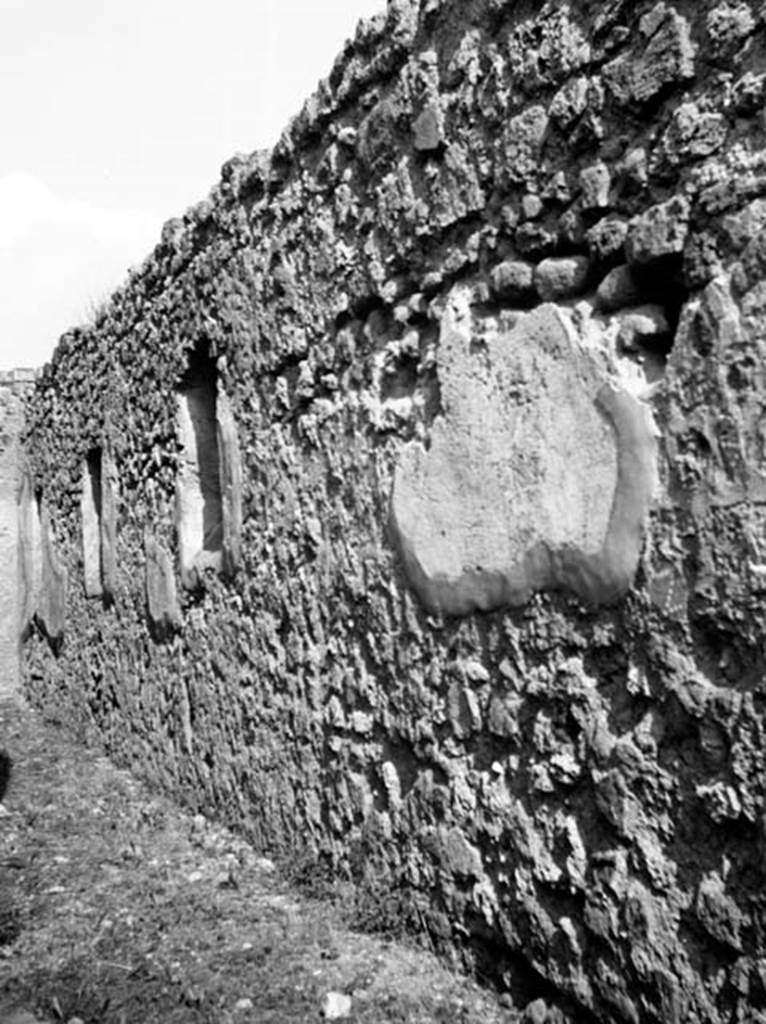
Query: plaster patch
109	496
161	598
539	474
230	470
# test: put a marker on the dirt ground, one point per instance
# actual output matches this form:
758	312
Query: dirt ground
117	907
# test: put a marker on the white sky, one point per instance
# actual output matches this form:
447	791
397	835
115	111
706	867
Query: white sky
116	115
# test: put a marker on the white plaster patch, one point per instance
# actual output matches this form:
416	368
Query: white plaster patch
539	474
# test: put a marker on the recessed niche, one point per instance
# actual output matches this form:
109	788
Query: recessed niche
91	509
208	490
44	578
97	505
30	552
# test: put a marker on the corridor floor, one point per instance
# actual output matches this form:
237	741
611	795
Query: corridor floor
117	907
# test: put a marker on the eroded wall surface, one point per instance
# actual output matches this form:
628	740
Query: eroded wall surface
14	384
484	618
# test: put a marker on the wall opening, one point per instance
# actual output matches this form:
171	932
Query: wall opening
91	505
51	604
199	502
29	552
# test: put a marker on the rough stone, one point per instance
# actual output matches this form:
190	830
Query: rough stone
531	206
336	1006
512	281
428	130
692	134
535	240
618	290
642	326
520	145
573	99
594	186
633	170
458	855
718	913
571	230
659	232
748	93
729	26
606	241
664	56
562	277
535	1012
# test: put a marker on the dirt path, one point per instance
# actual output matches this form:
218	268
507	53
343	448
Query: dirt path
116	907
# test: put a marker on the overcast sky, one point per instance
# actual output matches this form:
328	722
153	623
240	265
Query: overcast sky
116	116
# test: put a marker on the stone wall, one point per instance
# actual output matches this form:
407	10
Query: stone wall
434	509
14	385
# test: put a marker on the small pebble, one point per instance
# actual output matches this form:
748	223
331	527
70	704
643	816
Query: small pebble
336	1006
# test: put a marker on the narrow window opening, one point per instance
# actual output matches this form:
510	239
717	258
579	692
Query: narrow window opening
91	507
30	552
51	599
200	511
35	524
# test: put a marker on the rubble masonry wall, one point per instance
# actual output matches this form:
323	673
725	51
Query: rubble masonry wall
456	403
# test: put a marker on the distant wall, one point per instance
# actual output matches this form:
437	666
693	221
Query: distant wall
14	385
429	532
